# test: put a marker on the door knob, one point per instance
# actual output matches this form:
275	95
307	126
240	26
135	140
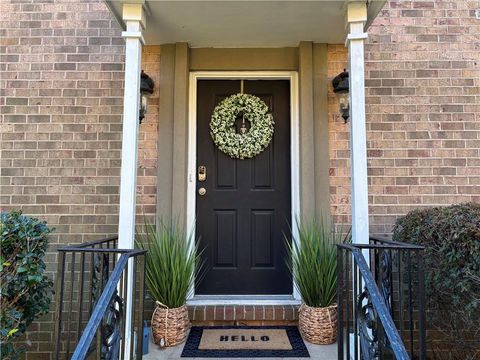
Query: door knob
202	191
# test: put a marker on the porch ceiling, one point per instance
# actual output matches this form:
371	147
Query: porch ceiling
247	23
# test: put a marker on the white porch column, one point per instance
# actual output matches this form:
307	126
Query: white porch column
356	18
134	18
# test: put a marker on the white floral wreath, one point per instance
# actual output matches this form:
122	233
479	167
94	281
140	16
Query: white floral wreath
255	140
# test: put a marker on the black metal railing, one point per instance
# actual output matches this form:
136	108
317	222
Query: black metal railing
381	301
91	301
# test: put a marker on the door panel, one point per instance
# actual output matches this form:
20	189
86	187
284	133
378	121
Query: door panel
262	240
242	218
225	238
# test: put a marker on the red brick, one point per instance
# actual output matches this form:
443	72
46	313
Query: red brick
229	313
259	312
269	312
279	312
210	313
191	313
240	313
249	312
200	313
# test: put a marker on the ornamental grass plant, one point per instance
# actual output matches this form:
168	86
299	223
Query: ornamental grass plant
172	262
313	262
172	266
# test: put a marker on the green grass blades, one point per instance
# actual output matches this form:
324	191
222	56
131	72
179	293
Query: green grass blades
313	262
172	262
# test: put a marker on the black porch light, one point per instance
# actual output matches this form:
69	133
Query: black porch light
341	86
146	89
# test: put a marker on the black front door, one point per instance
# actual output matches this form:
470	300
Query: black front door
246	210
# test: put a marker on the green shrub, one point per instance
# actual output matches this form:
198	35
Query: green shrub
451	236
172	263
313	262
25	289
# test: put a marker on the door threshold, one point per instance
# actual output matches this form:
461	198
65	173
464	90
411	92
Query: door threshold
199	300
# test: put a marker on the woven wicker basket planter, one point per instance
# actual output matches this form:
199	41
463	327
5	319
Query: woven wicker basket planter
318	325
170	326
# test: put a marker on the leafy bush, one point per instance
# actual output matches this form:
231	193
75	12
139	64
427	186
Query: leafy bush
451	236
313	262
25	289
172	263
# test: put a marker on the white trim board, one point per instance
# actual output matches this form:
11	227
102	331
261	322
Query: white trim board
292	76
201	300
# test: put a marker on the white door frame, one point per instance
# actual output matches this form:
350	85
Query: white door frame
292	76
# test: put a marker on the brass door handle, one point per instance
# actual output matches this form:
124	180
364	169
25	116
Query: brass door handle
202	191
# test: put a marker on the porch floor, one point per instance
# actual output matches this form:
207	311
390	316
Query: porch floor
317	352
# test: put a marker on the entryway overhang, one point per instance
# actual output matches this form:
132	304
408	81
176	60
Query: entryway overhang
227	23
230	24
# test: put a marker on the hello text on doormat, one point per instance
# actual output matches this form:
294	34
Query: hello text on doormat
232	339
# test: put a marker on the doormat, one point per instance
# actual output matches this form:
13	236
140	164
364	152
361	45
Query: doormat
244	341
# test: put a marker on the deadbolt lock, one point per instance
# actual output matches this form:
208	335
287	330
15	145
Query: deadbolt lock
202	173
202	191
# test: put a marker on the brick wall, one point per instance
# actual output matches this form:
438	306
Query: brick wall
147	155
61	104
423	111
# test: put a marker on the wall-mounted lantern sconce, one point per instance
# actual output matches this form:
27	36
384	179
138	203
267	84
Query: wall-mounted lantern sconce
341	86
146	89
